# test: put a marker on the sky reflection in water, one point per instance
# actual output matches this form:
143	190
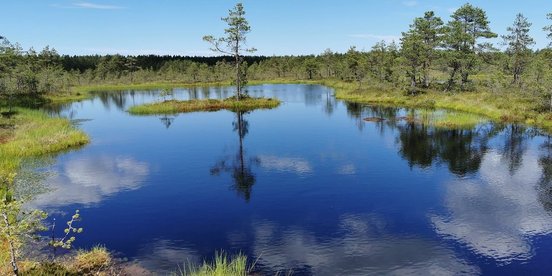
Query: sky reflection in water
308	186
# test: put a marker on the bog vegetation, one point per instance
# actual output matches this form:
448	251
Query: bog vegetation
438	62
232	104
433	55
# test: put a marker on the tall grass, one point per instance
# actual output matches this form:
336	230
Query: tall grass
223	265
507	106
96	261
91	261
445	118
32	133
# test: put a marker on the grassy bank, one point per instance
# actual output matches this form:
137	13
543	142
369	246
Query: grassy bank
507	107
97	261
31	133
221	265
28	133
173	106
511	106
445	119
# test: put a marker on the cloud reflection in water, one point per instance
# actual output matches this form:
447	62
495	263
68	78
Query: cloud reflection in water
365	247
496	215
89	180
285	164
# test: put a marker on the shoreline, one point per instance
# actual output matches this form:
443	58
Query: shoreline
505	107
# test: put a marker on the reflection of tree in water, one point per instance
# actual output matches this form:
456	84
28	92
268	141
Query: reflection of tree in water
167	121
515	144
59	108
422	145
462	150
193	93
545	183
417	146
312	95
361	111
239	166
113	98
330	103
354	110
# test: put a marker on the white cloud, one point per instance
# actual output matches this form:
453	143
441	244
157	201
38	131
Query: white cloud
386	38
497	215
121	51
452	10
285	164
88	181
163	256
87	5
363	248
410	3
347	169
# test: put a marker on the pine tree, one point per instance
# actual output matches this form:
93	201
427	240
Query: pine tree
548	29
234	42
518	41
467	26
419	44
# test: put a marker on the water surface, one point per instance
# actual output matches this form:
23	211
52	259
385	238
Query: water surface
308	186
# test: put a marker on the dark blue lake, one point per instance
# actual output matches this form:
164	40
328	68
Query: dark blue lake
308	186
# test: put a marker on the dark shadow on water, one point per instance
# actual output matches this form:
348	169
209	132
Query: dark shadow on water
167	120
545	182
239	165
462	150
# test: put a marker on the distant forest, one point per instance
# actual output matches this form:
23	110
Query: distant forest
432	55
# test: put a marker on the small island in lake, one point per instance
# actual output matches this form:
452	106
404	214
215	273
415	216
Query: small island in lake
245	103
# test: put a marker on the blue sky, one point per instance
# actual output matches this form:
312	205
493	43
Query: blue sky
279	27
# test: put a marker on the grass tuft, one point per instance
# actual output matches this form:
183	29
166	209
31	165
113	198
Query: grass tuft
174	106
222	266
445	118
96	259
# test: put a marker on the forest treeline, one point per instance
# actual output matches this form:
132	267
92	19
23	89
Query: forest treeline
431	55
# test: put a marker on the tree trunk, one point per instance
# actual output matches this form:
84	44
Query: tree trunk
13	257
464	79
413	77
451	78
238	81
426	75
240	134
517	75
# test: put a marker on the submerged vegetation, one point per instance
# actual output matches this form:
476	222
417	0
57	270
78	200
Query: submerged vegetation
232	104
26	133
